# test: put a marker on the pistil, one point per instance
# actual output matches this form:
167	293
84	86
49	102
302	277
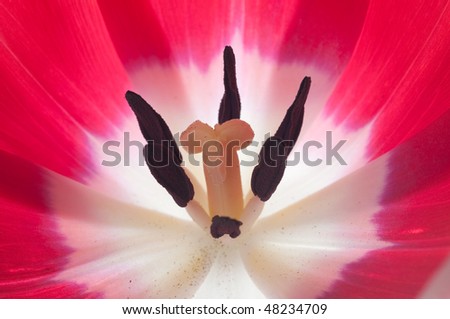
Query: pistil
219	146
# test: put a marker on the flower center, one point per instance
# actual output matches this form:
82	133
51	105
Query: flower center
219	146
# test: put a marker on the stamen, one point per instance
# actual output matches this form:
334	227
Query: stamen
230	106
162	155
152	125
273	156
291	125
270	169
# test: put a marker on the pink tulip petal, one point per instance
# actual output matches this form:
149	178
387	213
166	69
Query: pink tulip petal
63	82
167	48
381	232
124	250
401	117
32	251
305	39
398	73
136	31
195	31
68	240
62	239
437	287
171	31
319	32
414	218
299	251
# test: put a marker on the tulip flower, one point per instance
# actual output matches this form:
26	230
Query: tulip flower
359	209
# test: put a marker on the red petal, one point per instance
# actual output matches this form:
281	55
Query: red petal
168	31
295	39
415	218
136	31
316	31
62	80
398	72
197	31
32	251
389	273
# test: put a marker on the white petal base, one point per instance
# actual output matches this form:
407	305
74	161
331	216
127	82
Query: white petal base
121	250
300	251
228	277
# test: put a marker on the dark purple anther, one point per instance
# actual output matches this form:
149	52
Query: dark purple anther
230	106
161	154
273	156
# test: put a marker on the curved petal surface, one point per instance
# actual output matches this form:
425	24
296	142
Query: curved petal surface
126	251
62	239
360	238
32	251
63	81
399	82
299	251
414	217
190	35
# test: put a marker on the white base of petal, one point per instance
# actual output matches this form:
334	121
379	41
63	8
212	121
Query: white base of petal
127	177
228	277
121	250
300	251
302	178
